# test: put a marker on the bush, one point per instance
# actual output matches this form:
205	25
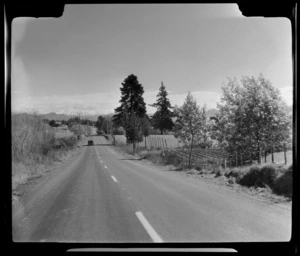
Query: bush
283	185
266	176
235	173
259	177
249	179
170	158
154	156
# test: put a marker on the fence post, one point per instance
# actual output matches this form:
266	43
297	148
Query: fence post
284	149
166	143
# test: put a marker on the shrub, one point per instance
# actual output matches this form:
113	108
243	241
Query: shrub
218	172
249	179
154	156
283	185
258	177
266	176
170	158
198	167
235	173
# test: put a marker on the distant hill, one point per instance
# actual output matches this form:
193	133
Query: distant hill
56	117
60	117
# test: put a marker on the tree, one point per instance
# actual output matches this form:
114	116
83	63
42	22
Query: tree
99	124
145	123
131	110
107	125
251	117
52	123
190	125
162	118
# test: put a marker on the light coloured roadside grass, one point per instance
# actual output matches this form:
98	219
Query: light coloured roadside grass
35	147
63	134
279	157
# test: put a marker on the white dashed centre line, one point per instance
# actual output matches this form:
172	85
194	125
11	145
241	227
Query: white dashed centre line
114	178
152	233
105	166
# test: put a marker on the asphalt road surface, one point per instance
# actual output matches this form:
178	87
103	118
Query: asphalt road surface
101	196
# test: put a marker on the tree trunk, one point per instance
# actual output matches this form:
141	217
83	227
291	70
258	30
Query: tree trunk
284	149
190	156
133	147
265	156
145	142
272	154
259	153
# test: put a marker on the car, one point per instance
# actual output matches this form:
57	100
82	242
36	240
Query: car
90	142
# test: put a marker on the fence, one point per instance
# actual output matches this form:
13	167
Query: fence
160	142
201	157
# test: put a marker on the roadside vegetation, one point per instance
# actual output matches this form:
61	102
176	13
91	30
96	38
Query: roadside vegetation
274	179
238	145
35	147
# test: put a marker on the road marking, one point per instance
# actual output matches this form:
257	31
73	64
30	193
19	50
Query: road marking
105	166
114	178
152	233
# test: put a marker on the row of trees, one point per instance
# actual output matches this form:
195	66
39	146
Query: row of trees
132	116
70	121
252	117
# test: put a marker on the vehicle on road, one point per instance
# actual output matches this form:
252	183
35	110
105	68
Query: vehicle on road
90	142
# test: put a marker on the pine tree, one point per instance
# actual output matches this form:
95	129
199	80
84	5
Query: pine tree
131	110
162	117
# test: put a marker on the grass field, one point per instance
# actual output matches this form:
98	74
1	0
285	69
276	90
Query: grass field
63	133
154	141
279	157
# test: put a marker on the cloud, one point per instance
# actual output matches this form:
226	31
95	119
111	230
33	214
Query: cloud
20	84
97	103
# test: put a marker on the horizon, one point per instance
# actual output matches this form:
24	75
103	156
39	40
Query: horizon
76	63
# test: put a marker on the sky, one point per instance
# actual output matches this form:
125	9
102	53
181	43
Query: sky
75	64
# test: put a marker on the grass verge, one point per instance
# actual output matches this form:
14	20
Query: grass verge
35	149
272	178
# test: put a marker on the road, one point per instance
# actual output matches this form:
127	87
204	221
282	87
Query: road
102	196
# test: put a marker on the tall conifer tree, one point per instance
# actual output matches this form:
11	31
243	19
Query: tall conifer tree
161	119
131	110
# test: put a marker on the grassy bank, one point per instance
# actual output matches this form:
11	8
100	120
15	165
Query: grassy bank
35	147
276	178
